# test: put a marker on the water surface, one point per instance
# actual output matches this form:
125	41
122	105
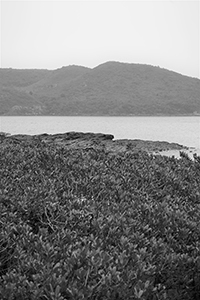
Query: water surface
182	130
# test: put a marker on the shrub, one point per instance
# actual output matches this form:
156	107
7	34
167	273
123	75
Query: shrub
86	224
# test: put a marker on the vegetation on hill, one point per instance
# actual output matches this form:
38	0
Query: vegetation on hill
91	224
112	88
13	99
21	78
16	102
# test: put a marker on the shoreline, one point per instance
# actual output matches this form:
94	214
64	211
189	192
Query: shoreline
79	140
75	205
129	116
83	140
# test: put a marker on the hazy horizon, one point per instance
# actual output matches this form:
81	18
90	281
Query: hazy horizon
52	34
48	69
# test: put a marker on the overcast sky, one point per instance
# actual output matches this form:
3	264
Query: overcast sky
52	34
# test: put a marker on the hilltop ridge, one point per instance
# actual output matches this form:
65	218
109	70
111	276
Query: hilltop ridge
111	88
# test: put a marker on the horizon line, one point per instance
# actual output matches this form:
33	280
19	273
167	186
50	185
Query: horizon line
91	68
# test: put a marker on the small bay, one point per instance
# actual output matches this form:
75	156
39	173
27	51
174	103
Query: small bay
183	130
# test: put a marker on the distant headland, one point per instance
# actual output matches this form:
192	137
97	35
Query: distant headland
110	89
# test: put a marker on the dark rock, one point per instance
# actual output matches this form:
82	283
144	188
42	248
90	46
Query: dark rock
96	140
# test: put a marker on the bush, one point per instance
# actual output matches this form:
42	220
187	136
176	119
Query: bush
86	224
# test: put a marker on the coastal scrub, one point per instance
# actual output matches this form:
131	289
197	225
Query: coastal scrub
91	224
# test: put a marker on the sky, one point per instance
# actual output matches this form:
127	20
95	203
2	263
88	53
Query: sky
52	34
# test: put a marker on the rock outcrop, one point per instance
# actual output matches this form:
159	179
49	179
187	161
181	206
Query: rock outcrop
95	140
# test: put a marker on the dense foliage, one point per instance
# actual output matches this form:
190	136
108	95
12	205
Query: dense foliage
112	88
86	224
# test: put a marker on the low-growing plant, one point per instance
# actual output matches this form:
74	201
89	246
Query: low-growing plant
88	224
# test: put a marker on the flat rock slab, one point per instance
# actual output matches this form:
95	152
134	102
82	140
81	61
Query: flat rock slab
94	140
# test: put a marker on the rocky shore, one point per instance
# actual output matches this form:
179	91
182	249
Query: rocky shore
94	140
85	222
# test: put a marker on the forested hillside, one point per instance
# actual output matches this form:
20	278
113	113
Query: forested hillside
111	88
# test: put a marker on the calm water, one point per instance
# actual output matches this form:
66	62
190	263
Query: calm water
182	130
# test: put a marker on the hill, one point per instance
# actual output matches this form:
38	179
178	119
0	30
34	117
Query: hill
112	88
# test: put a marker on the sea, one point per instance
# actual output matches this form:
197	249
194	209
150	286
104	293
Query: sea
184	130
